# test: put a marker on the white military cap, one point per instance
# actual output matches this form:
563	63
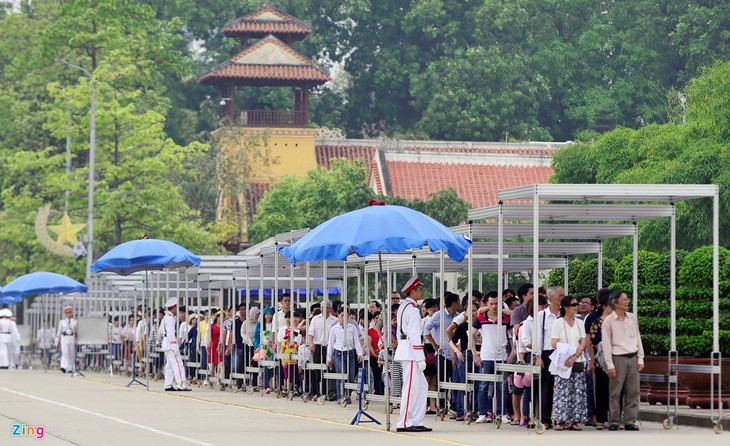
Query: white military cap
171	302
412	283
5	313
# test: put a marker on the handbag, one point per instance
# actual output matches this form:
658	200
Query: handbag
431	358
601	357
578	367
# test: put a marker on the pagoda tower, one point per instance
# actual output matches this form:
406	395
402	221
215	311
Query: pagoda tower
284	136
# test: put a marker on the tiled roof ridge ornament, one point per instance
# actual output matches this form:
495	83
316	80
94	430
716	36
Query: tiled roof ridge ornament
373	202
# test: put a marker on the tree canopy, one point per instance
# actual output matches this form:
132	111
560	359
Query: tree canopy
475	69
121	48
694	149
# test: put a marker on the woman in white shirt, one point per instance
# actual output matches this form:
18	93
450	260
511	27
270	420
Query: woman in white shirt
569	398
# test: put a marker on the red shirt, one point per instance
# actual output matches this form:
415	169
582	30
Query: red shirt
373	333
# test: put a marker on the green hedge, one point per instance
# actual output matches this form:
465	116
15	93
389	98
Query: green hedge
693	299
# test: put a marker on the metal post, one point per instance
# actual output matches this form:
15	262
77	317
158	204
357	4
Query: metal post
92	156
673	280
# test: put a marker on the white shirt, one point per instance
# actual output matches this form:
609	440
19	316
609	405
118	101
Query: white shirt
128	333
566	334
317	329
182	331
338	342
546	343
45	338
494	340
116	335
282	331
140	330
526	335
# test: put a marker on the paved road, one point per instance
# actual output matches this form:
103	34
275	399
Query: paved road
100	410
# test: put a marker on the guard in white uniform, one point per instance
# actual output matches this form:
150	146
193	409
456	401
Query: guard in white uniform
173	362
410	354
66	336
9	337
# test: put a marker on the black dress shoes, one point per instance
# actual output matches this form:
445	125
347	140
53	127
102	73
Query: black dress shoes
186	389
63	370
414	429
631	427
170	389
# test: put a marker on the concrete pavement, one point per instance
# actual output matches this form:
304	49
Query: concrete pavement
100	410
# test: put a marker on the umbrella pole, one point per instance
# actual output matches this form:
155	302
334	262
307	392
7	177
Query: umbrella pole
149	328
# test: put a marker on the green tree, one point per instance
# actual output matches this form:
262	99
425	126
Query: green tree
296	203
124	47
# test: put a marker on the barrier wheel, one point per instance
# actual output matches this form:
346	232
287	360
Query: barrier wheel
391	408
278	393
442	415
539	428
365	405
667	423
305	397
321	400
249	390
290	395
343	402
498	422
235	389
717	428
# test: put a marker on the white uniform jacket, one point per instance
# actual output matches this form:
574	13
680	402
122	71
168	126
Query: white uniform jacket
66	332
9	332
409	333
167	332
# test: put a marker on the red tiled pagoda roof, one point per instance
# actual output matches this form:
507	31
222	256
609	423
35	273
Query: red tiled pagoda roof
254	25
297	68
474	183
324	153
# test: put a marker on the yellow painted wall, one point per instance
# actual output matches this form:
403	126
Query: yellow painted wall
294	151
290	151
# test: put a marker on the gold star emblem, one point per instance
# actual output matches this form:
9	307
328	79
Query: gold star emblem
66	230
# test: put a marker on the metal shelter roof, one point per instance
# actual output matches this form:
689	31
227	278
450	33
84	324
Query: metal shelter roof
610	192
568	231
573	212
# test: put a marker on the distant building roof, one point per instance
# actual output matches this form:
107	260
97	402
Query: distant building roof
415	169
268	62
267	21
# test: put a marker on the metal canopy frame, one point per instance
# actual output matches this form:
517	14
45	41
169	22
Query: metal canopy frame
655	193
667	193
432	264
574	212
567	231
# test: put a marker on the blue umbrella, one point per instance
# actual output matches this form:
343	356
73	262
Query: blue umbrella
376	229
144	255
7	300
42	283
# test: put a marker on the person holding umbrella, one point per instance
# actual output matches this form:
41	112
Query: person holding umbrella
173	362
66	337
410	354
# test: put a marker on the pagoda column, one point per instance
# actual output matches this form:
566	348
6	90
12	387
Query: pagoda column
228	108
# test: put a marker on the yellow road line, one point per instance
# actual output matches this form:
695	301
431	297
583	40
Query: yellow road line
273	412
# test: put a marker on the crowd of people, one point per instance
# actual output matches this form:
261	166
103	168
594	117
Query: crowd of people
589	350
